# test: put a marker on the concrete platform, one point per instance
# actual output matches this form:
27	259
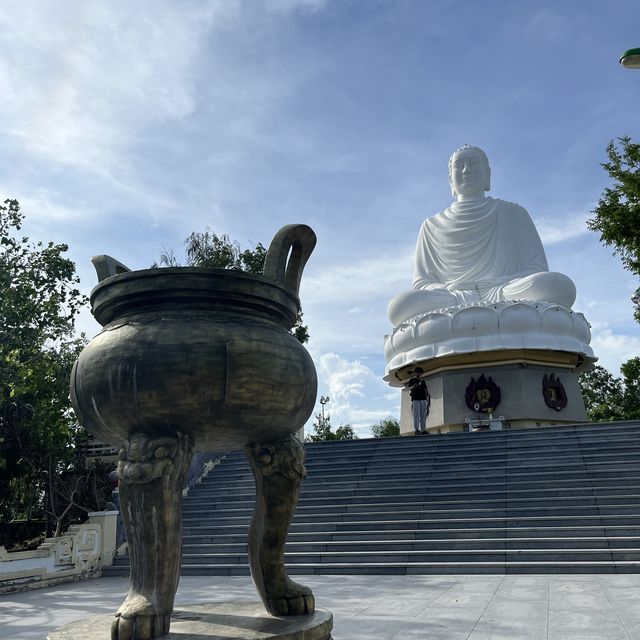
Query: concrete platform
460	607
231	621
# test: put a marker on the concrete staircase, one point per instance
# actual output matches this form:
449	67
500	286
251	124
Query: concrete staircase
561	499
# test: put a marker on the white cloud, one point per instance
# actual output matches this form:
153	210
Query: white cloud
125	95
613	349
345	379
360	280
85	80
357	394
558	229
44	204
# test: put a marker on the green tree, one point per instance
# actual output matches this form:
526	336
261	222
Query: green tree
617	216
322	429
345	432
386	428
207	249
602	394
611	399
39	301
631	382
78	491
324	432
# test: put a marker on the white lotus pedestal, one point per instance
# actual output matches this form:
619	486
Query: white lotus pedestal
517	360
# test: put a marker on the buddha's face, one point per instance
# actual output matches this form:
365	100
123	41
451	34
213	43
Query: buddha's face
469	174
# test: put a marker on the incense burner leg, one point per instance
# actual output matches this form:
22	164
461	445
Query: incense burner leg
278	468
151	473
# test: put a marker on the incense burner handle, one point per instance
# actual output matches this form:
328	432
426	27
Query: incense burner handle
295	242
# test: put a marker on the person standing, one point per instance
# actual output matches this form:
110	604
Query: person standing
420	401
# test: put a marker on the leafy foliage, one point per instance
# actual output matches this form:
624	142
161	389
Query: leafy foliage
631	382
207	249
602	395
617	216
323	431
345	432
386	428
610	399
78	491
39	301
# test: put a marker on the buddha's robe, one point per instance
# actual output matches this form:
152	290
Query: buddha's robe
486	251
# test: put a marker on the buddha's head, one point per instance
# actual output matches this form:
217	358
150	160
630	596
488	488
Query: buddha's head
469	173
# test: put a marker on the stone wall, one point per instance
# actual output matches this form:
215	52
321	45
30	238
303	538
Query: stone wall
78	554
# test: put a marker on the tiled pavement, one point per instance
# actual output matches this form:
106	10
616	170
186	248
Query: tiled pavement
477	607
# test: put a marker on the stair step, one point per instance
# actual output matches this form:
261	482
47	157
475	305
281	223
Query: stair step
493	544
444	555
562	499
335	504
417	477
416	568
362	487
219	535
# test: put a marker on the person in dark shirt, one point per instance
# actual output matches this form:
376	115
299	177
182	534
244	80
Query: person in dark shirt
420	401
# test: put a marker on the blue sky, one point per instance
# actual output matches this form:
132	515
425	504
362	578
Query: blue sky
125	126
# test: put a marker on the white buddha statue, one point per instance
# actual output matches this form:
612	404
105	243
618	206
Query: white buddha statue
479	249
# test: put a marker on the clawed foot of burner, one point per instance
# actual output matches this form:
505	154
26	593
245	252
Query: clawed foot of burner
278	467
140	628
289	599
151	473
137	620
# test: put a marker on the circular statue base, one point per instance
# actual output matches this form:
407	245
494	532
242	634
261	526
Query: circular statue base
230	621
521	392
485	328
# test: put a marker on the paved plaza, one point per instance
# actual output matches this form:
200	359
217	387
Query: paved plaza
478	607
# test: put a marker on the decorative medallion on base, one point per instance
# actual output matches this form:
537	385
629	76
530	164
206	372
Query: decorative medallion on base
554	392
482	396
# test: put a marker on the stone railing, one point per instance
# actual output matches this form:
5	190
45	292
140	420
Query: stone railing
202	464
78	554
